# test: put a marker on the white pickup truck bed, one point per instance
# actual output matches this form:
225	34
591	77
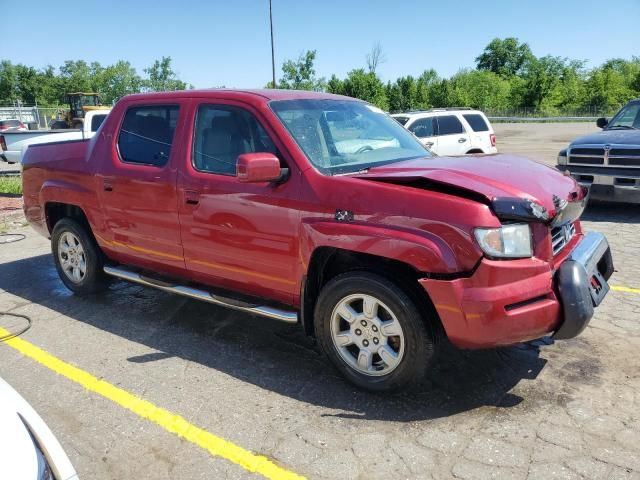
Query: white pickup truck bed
16	143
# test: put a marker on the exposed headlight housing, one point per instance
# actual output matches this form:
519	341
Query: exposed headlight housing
508	241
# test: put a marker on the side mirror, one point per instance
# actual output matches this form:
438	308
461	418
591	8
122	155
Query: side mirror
602	122
258	167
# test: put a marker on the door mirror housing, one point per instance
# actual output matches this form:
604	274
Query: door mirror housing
602	122
259	167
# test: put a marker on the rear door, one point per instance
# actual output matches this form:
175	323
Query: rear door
137	189
425	130
453	139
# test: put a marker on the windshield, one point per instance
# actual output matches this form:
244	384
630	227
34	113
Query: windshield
628	117
342	136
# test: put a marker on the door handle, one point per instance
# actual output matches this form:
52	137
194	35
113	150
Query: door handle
107	183
191	197
462	140
428	144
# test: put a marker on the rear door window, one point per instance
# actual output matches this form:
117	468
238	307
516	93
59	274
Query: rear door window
476	122
146	134
423	127
449	125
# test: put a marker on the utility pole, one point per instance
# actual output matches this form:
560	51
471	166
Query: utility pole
273	57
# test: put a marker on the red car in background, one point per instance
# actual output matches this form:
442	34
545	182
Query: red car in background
12	126
320	209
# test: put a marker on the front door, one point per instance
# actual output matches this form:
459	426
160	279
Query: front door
238	236
137	189
425	130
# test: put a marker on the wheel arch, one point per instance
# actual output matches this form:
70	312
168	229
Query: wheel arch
328	262
56	211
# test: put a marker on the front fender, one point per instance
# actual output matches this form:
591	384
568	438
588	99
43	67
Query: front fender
424	251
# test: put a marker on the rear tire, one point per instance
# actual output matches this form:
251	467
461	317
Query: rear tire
78	258
373	332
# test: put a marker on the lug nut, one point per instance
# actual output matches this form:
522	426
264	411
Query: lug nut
363	323
358	331
365	343
374	328
375	340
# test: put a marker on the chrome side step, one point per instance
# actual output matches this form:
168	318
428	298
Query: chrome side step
264	311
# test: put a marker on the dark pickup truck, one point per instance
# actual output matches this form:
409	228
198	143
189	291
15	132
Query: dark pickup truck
608	162
321	210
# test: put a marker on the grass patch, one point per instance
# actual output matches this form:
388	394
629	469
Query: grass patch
11	185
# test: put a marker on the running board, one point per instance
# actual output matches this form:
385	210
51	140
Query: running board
264	311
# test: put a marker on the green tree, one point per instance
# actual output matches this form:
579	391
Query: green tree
301	74
162	78
504	56
366	86
479	89
76	76
116	81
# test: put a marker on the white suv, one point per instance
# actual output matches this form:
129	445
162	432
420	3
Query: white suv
451	131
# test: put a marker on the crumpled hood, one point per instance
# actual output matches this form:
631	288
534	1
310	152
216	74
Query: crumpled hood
491	176
613	137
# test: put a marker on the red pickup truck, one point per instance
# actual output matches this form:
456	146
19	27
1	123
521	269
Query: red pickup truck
320	209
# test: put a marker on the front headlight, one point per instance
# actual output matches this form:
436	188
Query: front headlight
562	157
508	241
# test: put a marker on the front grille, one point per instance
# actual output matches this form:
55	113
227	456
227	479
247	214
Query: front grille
586	160
587	156
616	156
627	161
561	235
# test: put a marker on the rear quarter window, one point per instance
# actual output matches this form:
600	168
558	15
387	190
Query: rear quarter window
476	122
96	121
401	120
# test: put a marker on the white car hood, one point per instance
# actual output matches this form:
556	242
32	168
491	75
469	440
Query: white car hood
18	459
18	456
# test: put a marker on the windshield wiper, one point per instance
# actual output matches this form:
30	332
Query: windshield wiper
626	127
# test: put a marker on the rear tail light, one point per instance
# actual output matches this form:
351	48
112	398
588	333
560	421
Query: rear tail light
492	137
3	143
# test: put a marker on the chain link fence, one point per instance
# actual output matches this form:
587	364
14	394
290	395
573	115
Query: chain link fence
34	116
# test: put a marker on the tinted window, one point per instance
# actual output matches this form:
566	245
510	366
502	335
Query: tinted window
146	134
448	125
223	133
401	120
96	121
423	127
476	122
10	123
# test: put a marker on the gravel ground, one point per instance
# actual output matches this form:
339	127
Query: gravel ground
544	410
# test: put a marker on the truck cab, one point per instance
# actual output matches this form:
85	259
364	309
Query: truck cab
608	162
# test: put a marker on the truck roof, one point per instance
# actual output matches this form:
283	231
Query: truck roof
257	94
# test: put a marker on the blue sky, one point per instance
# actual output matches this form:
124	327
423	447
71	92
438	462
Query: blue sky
216	42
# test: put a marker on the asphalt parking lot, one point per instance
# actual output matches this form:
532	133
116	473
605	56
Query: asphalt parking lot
544	410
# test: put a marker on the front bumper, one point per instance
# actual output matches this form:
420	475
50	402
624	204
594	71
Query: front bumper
609	184
507	302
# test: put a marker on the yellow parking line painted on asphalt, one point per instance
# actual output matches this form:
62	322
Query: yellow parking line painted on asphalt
173	423
618	288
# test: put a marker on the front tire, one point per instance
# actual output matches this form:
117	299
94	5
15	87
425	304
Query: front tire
78	258
373	332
